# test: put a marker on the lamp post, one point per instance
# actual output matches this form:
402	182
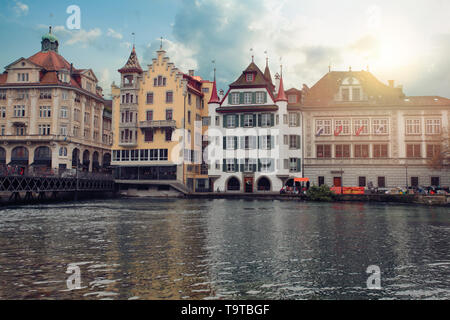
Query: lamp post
406	176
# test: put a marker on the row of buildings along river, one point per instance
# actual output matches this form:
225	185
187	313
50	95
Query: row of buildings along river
166	131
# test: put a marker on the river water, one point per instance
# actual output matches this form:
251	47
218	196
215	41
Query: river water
223	249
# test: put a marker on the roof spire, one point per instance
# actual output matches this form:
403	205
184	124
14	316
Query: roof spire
134	38
214	97
132	64
160	46
267	74
251	50
281	94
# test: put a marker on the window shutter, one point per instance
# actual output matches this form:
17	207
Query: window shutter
272	142
265	97
241	97
235	143
242	120
224	143
241	165
259	165
253	97
299	165
254	167
272	119
229	98
254	120
259	120
259	141
236	167
224	165
225	121
298	119
236	121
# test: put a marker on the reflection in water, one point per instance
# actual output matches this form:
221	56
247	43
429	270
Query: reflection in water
223	249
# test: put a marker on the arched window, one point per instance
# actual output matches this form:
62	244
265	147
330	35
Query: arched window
233	184
63	152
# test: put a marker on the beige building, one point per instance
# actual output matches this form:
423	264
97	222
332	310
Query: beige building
52	113
158	117
359	130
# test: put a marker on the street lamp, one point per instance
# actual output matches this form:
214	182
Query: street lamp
406	176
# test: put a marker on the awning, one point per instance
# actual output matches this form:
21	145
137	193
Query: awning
301	179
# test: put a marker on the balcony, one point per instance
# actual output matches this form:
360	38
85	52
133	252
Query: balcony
128	143
154	124
132	124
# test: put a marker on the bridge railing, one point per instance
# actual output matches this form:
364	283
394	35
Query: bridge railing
30	171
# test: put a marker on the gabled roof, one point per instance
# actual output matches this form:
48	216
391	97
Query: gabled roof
214	97
281	94
132	64
259	78
324	91
49	60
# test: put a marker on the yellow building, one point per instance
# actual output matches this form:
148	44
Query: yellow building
158	113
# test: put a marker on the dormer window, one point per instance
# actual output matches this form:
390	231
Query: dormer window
292	98
63	76
22	77
249	77
350	90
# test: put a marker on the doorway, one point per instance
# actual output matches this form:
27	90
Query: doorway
337	181
248	184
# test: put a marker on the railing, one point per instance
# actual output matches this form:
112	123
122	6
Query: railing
158	124
29	171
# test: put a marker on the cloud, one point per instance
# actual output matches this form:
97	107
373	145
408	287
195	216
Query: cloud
81	37
114	34
21	9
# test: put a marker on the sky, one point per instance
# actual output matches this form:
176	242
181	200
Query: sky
407	41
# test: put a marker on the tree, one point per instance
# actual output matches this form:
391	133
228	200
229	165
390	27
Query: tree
322	193
441	157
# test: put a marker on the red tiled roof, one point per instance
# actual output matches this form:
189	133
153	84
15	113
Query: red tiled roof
281	94
259	78
3	77
214	96
132	64
426	101
50	60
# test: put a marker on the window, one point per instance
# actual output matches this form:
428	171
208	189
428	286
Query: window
356	94
189	99
342	151
381	182
149	97
206	121
2	112
45	94
189	116
22	77
294	165
380	150
168	134
323	127
292	98
345	94
414	181
231	121
260	97
294	142
76	131
294	119
22	94
64	112
248	120
2	94
169	97
45	111
266	120
413	126
235	98
21	130
380	126
413	151
149	115
217	121
63	130
198	103
205	90
433	150
433	126
160	81
249	77
361	151
341	127
230	142
44	129
250	165
63	152
247	97
435	181
19	111
230	165
266	164
361	181
321	180
148	135
248	142
169	114
286	140
64	94
266	142
323	151
360	127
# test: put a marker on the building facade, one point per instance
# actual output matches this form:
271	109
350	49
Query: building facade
158	116
361	132
254	135
52	114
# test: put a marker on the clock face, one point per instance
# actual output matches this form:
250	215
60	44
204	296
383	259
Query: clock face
46	44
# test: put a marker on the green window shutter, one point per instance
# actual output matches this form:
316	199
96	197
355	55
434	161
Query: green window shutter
253	97
272	119
242	120
229	98
241	97
272	142
236	167
265	97
299	165
241	165
254	165
225	121
259	165
224	143
298	119
254	120
259	120
235	143
224	166
298	142
236	117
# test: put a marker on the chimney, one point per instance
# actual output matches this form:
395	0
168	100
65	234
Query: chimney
391	83
191	73
221	94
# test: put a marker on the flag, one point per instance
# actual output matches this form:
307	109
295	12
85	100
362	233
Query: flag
360	130
338	130
319	132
